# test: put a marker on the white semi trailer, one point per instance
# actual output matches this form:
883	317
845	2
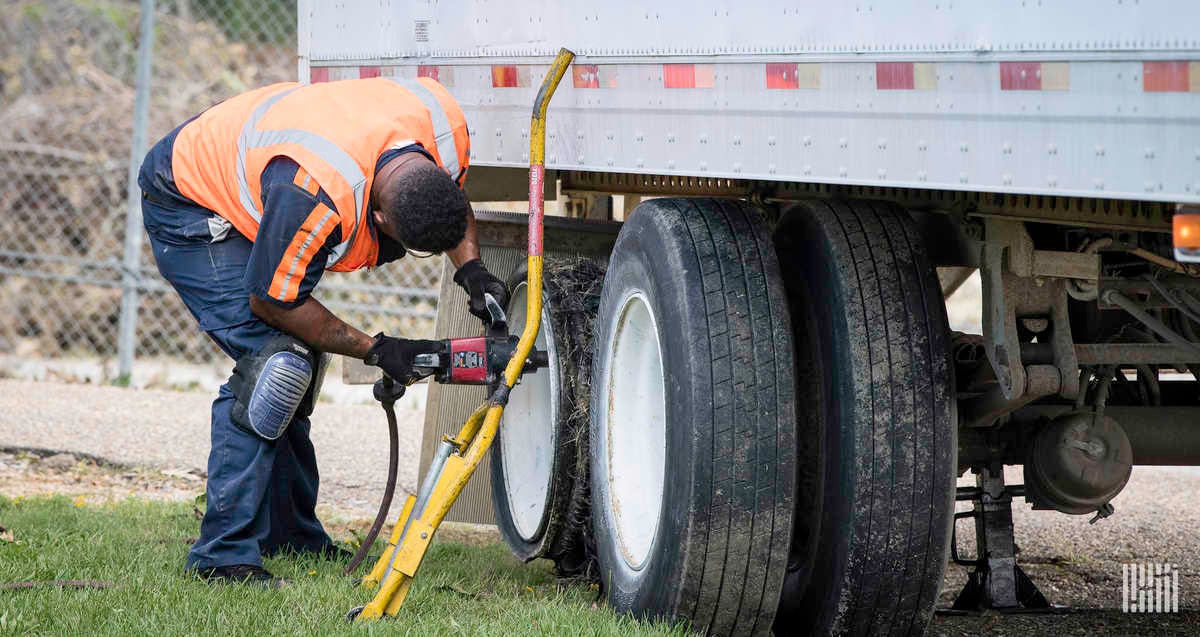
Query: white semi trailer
757	413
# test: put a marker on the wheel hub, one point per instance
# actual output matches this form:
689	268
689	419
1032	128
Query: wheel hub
528	436
635	429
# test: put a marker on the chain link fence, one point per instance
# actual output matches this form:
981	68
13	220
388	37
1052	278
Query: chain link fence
67	95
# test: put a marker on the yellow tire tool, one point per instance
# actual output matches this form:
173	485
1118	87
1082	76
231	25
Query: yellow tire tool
457	457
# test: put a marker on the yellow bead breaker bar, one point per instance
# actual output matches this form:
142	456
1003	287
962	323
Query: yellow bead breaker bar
457	457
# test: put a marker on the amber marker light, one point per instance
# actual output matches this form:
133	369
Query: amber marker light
1185	227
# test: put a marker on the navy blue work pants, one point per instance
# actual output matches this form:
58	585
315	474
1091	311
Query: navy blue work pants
261	495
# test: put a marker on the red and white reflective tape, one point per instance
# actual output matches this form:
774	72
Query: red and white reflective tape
688	75
1171	77
1180	76
593	76
792	75
905	76
511	76
1035	76
444	75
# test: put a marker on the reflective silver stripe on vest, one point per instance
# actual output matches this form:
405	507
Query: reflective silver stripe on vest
331	153
443	134
243	140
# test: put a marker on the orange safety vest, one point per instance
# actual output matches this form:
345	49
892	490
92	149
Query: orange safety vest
336	131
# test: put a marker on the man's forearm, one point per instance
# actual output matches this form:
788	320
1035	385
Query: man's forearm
468	248
314	324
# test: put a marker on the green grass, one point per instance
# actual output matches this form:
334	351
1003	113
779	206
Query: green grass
139	547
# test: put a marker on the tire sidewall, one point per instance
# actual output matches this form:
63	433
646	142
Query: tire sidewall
824	286
641	261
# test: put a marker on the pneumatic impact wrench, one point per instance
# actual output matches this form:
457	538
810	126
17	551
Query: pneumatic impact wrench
473	360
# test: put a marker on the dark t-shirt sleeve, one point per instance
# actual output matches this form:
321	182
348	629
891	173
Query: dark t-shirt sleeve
299	229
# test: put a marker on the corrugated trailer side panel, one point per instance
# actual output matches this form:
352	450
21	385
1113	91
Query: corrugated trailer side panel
1071	98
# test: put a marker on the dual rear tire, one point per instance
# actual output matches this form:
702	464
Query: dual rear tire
768	452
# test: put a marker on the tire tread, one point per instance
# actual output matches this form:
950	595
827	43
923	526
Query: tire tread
741	514
902	434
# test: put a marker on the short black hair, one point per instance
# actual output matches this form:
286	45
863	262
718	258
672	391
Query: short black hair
428	208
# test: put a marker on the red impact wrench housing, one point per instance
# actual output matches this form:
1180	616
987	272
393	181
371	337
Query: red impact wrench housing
477	360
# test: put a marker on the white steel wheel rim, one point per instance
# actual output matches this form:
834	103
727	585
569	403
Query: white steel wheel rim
528	436
635	428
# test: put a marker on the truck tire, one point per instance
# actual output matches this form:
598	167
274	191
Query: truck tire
692	419
877	436
540	458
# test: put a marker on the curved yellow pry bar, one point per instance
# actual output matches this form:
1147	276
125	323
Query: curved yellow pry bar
417	523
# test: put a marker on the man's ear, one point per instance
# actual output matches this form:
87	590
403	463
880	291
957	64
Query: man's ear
378	218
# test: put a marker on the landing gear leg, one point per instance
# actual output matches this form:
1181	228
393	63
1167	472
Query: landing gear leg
996	581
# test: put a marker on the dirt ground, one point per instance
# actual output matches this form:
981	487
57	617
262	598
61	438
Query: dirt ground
1078	566
91	481
152	444
170	430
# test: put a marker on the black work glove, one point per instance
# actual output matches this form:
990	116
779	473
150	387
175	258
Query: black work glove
395	356
477	281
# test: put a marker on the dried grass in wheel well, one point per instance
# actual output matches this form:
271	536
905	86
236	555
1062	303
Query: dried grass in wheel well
574	295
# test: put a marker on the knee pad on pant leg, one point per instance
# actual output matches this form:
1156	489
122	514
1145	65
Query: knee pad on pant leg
270	385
